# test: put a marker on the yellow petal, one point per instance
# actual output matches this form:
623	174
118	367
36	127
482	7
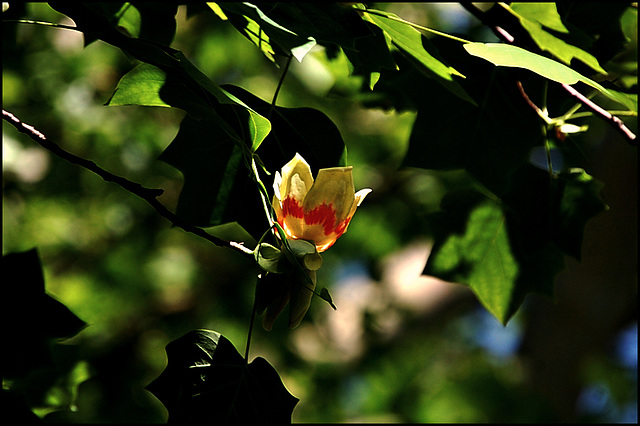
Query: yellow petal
320	210
333	187
296	179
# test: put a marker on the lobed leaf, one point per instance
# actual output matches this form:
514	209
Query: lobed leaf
534	17
480	256
207	381
505	250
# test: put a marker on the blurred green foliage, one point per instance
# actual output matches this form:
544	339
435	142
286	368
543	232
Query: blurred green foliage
384	355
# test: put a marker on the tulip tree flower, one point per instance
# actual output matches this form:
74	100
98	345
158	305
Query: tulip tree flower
313	214
315	210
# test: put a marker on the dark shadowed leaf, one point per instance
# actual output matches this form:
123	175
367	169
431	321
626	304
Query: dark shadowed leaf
155	22
207	381
580	201
492	141
306	131
31	318
218	187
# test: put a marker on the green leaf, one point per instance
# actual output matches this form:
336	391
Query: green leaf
207	381
157	21
505	250
325	22
545	14
534	16
127	19
148	85
579	202
326	296
416	47
410	40
268	257
480	256
256	22
307	131
490	140
150	21
512	56
217	184
239	122
371	54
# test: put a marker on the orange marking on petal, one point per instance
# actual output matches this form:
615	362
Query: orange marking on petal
342	227
324	215
291	207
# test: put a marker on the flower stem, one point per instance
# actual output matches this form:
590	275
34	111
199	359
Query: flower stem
280	82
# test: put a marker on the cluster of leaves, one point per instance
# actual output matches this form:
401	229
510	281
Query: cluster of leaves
504	236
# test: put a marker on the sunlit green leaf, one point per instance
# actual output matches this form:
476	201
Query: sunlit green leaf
148	85
416	47
535	16
512	56
259	22
482	259
411	41
545	14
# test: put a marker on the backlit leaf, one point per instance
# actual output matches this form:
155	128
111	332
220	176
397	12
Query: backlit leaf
512	56
416	47
480	256
534	17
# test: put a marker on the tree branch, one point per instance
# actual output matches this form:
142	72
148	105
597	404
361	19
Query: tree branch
148	194
504	35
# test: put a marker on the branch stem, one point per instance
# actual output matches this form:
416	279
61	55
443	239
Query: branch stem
148	194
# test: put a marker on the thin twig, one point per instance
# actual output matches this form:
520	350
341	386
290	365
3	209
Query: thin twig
280	82
529	102
598	110
148	194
